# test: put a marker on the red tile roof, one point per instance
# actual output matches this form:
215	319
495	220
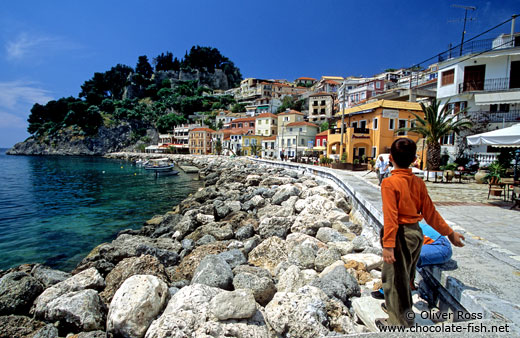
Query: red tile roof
203	129
322	94
244	119
326	132
269	138
291	112
266	115
332	82
301	123
306	78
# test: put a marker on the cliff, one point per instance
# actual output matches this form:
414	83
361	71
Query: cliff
125	136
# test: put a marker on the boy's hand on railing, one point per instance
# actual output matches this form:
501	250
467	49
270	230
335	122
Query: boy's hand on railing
456	239
388	255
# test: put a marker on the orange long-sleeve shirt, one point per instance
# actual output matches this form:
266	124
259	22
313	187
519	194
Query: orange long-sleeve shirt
405	201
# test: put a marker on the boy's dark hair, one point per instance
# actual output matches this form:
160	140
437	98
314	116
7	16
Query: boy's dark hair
403	152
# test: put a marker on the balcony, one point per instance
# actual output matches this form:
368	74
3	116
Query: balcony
364	131
487	85
468	48
494	117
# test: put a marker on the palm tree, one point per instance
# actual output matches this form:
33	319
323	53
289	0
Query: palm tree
435	124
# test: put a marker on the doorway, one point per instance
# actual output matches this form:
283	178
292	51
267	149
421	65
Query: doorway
514	75
474	78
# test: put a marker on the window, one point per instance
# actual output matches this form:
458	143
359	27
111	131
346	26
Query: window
499	108
378	85
302	142
322	102
354	124
402	124
448	77
301	130
322	110
315	110
363	124
413	123
286	118
374	152
290	129
294	141
374	123
391	124
447	139
317	142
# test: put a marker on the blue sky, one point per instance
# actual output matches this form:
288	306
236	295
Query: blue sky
49	48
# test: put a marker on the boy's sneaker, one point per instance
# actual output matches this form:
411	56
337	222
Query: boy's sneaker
377	294
381	323
383	307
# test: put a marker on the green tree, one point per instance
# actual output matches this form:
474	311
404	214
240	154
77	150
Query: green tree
238	108
324	126
168	122
255	149
289	102
220	124
435	124
218	147
164	62
110	84
143	67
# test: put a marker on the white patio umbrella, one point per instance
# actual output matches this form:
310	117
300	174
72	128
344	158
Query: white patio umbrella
506	137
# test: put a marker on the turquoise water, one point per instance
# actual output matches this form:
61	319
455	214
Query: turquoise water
54	210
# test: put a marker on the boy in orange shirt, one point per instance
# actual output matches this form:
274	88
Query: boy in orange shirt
405	203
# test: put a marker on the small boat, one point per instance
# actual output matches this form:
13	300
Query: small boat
141	162
160	165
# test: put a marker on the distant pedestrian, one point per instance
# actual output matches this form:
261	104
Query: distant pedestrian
382	169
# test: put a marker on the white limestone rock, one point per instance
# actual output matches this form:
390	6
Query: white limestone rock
238	304
269	254
87	279
371	261
135	304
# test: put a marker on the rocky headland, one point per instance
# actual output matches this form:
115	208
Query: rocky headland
258	252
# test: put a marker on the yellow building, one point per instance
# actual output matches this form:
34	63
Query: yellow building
200	141
248	140
370	128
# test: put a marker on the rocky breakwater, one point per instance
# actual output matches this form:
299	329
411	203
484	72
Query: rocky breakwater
257	252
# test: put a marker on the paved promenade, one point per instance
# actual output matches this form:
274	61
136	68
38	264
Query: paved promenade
486	277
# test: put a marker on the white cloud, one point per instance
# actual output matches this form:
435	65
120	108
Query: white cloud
11	121
22	92
26	46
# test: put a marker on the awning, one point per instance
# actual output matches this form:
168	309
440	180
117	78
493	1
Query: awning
497	98
319	148
507	146
500	137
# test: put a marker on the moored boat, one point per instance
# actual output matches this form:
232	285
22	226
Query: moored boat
160	165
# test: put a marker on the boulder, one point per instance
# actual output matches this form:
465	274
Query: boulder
293	279
296	238
338	283
302	314
309	224
326	257
283	193
344	248
238	304
188	264
254	270
18	290
135	305
327	235
91	334
368	309
276	180
303	256
47	276
48	331
166	257
143	265
275	226
269	254
186	311
19	326
205	219
245	232
360	243
213	271
371	261
262	286
82	310
233	257
206	239
251	243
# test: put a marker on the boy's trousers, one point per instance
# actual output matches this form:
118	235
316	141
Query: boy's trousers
396	277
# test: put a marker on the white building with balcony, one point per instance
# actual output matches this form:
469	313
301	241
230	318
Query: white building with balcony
485	80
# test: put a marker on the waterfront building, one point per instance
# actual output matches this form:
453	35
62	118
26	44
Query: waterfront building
200	141
288	116
321	107
266	124
269	147
485	80
369	129
305	81
248	142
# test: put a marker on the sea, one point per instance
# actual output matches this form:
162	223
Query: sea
55	209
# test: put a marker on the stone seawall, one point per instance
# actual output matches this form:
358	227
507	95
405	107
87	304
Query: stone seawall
259	251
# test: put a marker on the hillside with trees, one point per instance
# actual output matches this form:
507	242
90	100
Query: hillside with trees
146	99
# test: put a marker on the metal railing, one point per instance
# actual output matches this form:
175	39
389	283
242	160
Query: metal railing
486	85
361	131
494	117
468	48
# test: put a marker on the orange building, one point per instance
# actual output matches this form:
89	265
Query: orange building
200	141
370	128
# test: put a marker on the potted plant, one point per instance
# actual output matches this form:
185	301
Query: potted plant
481	175
372	164
449	171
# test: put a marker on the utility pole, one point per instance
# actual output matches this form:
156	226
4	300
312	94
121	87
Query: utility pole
466	8
343	118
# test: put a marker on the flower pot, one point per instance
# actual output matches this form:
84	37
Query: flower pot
480	176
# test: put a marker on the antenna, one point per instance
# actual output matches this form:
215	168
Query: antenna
466	8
